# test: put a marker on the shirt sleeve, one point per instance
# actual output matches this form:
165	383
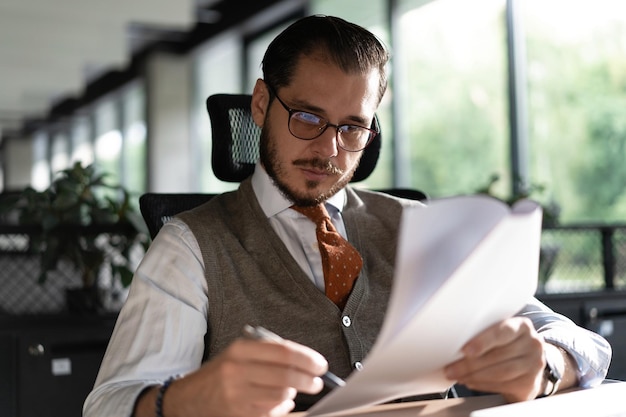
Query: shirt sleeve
160	330
591	352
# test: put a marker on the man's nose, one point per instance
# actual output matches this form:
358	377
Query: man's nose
327	143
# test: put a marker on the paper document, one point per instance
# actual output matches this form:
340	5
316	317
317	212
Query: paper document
463	264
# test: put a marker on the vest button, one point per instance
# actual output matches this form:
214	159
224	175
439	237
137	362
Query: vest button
346	321
358	366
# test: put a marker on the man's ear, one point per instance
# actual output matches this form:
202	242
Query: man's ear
260	101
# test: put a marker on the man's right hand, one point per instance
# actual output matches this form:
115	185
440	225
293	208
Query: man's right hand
250	378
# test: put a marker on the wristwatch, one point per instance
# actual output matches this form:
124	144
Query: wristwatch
552	376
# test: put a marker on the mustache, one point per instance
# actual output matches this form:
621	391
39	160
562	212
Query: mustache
320	164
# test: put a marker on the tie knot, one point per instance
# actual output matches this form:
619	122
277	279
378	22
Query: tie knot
316	213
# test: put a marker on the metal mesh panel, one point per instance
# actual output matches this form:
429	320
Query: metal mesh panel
572	260
245	146
20	293
619	250
576	260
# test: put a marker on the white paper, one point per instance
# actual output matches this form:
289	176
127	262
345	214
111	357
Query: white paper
463	264
602	401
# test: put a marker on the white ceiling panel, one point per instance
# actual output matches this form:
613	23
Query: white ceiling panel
48	48
51	51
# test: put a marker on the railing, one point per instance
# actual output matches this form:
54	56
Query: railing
20	293
580	258
575	259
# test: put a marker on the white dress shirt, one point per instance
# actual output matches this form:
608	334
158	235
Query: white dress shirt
160	330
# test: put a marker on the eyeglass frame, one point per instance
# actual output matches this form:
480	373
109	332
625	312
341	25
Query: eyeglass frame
373	130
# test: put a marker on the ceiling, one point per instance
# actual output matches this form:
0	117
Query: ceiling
55	54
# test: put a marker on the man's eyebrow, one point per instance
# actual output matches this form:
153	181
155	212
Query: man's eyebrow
304	106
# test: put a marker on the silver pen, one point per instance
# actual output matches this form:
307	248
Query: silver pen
261	333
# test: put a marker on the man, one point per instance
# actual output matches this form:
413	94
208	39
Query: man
246	257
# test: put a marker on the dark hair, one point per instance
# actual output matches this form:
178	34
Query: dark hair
352	48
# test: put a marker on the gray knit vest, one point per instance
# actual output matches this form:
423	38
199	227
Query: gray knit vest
252	278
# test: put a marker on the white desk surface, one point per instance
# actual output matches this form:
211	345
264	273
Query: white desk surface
607	400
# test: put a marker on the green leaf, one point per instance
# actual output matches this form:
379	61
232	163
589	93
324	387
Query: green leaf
125	274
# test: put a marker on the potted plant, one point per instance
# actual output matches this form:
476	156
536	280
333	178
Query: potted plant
550	211
547	253
86	223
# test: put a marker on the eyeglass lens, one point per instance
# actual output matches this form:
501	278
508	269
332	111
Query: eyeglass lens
305	125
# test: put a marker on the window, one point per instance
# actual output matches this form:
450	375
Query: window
452	98
134	130
40	173
59	151
216	68
120	145
577	105
108	142
82	146
254	55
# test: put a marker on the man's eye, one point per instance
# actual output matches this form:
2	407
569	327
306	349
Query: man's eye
351	129
308	118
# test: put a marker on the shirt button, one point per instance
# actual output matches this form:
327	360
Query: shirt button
346	321
358	366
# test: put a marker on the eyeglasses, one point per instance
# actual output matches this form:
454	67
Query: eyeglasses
309	126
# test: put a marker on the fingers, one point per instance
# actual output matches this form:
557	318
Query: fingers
506	358
254	378
284	353
279	364
281	409
500	334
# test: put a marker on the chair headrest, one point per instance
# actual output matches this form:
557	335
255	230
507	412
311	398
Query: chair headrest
235	139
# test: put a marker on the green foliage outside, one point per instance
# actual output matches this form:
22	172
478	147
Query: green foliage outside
454	98
577	100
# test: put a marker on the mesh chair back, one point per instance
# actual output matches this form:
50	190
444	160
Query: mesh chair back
235	136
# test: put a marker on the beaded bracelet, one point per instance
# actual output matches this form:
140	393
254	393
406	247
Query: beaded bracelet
161	393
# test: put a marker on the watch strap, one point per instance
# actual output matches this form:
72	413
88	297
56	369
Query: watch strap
552	376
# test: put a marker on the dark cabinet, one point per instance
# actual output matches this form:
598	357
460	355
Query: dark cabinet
608	318
600	312
48	365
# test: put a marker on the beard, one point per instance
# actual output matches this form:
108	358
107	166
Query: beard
276	170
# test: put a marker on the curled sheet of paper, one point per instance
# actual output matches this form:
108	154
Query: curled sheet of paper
463	264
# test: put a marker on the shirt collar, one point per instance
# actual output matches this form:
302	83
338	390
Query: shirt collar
272	201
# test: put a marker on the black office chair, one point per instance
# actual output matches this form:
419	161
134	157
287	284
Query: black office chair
235	147
159	208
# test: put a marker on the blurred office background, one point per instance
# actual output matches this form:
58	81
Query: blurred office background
513	97
533	91
530	92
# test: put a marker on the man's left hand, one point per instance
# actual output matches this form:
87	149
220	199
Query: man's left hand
506	358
